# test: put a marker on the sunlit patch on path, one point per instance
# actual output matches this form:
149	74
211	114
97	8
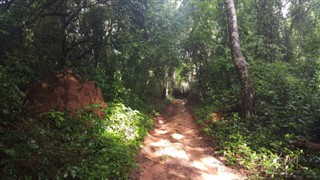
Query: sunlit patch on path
174	149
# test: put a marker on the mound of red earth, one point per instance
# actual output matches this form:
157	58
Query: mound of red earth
62	91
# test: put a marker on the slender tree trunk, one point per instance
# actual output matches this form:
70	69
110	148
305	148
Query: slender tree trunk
239	61
64	51
166	84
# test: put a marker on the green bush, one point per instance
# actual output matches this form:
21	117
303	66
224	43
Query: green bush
259	149
55	146
10	97
286	110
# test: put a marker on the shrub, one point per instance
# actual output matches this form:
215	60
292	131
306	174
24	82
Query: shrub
257	148
54	146
10	97
286	110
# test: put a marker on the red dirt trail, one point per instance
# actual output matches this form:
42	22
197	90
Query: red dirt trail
175	149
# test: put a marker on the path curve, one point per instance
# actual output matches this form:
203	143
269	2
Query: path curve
175	149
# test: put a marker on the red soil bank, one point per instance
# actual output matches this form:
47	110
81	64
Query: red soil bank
61	91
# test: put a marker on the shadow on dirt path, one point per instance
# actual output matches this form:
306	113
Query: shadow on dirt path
175	149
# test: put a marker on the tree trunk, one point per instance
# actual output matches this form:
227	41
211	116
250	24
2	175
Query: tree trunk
166	84
63	52
247	91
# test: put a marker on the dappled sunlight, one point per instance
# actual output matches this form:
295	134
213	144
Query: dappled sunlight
199	165
210	161
159	131
206	163
161	143
197	149
218	177
190	131
177	174
175	150
177	136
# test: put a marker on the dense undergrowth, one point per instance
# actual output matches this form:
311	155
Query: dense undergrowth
54	146
267	144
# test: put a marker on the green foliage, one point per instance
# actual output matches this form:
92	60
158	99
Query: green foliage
286	110
55	146
127	123
10	97
288	95
261	148
127	47
116	91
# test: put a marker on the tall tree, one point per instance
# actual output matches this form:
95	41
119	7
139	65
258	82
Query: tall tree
240	62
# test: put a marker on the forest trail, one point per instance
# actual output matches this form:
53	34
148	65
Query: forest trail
175	149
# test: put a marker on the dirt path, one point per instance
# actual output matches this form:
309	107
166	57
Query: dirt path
174	149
